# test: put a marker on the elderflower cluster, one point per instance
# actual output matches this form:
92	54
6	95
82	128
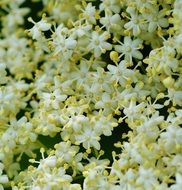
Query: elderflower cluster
91	95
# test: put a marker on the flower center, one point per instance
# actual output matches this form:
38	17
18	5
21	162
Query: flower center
97	42
128	49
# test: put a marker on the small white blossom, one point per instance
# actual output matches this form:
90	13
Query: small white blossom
98	43
53	99
38	27
156	18
130	48
89	13
135	21
88	138
147	178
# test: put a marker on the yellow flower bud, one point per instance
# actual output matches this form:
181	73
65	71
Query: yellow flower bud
168	82
114	56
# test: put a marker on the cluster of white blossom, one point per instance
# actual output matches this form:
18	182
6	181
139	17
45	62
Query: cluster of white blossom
74	72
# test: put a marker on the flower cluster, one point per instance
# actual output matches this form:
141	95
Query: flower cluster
91	95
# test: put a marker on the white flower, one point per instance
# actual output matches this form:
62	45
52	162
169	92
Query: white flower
150	127
155	18
89	13
175	96
133	111
81	74
98	43
129	48
63	42
113	23
77	123
15	17
107	103
120	73
146	178
65	151
38	27
53	99
104	125
80	29
126	180
136	21
24	130
88	138
172	138
133	152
